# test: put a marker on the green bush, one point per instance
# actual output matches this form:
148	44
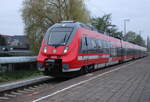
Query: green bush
21	74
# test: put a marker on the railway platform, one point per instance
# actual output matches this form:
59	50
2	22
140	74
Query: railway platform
128	82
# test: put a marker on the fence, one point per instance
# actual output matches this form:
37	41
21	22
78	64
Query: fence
14	63
16	53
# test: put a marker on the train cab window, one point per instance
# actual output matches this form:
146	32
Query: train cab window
59	35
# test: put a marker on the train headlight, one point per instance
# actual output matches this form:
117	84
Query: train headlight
3	48
66	49
45	49
11	48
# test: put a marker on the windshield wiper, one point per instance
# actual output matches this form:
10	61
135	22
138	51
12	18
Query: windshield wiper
65	37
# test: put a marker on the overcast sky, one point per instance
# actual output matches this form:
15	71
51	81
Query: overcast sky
138	11
10	17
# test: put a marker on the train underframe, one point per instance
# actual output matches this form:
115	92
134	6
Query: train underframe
55	68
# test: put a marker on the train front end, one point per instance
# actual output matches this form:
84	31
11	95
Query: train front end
59	50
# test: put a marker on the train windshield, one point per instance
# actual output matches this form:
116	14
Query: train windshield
59	35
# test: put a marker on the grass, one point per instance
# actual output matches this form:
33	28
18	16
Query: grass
21	74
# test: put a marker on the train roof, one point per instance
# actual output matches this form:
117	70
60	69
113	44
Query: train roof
76	25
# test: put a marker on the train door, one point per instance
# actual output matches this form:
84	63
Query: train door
84	50
122	52
86	57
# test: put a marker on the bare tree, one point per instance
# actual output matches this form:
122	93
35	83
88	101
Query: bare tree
39	15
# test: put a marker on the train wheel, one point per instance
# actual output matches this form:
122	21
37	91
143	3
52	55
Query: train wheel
120	61
46	72
87	69
83	70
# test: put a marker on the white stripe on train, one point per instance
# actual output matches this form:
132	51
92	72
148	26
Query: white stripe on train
92	57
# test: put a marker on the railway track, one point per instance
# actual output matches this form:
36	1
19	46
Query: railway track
29	88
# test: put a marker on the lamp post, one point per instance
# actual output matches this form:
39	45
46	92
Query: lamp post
125	25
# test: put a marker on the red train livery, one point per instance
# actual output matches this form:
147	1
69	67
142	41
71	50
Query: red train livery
70	48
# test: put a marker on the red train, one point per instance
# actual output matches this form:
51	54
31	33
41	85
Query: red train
71	48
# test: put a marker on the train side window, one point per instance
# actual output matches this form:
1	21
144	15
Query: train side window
104	44
93	43
113	51
83	47
89	43
107	44
110	45
100	43
86	43
97	43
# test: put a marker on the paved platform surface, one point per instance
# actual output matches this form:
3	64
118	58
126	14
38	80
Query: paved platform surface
130	84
